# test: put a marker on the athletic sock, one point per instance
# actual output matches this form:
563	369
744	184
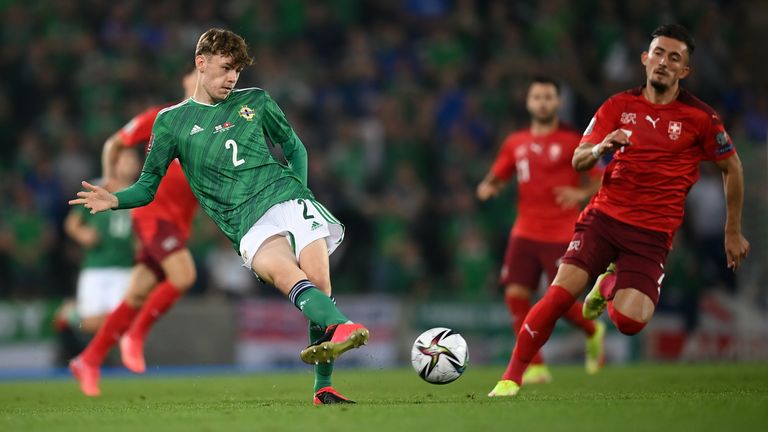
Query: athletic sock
114	326
158	303
537	328
518	308
323	371
608	286
623	323
316	306
576	317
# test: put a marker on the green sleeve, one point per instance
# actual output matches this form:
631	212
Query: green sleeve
140	193
281	133
162	150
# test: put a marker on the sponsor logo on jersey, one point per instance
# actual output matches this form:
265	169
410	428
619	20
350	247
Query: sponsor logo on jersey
574	245
246	113
315	226
195	129
223	127
652	121
627	118
674	130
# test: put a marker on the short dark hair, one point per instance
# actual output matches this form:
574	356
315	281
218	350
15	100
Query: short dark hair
543	79
226	43
676	31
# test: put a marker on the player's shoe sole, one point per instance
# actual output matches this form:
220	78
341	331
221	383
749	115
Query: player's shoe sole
594	302
595	353
86	375
340	342
504	388
329	396
132	354
537	374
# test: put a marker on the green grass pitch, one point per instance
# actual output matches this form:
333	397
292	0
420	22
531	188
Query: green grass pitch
727	397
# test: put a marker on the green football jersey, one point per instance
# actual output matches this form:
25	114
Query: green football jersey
115	245
224	154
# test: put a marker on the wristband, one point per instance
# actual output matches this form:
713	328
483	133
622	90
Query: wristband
596	151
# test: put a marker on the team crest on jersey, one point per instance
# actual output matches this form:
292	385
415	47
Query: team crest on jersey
555	151
223	127
674	130
627	118
246	113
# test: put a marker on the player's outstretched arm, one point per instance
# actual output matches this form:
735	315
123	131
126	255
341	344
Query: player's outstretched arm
736	246
112	147
95	198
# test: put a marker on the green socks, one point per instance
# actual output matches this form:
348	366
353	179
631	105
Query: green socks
316	306
323	371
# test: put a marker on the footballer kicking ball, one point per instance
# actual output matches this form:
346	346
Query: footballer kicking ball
439	355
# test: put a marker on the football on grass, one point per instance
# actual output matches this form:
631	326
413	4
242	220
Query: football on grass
439	355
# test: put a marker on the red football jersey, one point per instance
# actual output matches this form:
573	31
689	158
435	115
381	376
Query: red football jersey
646	183
541	163
174	200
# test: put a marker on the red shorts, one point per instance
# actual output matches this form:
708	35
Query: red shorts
158	238
639	253
526	259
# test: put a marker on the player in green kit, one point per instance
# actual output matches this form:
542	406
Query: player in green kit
263	206
107	241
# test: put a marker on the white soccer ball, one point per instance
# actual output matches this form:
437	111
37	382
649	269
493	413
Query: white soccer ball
439	355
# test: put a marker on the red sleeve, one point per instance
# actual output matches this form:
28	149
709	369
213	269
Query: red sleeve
139	128
715	140
504	166
605	121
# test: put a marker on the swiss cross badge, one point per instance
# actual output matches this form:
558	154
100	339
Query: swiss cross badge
674	130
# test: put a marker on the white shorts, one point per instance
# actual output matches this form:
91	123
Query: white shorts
301	221
100	290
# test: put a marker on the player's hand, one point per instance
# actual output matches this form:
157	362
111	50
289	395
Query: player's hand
88	237
109	184
569	197
96	198
487	190
736	249
614	141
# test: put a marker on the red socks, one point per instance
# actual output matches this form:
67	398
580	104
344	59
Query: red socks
537	328
158	303
518	308
623	323
114	326
575	317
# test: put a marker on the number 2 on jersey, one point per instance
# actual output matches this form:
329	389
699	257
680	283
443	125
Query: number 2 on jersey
232	144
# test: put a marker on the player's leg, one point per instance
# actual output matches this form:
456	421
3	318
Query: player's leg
550	255
638	276
179	270
539	323
588	253
518	300
520	274
85	366
638	284
313	260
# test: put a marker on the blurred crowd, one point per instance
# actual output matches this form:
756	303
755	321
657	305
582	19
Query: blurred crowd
402	105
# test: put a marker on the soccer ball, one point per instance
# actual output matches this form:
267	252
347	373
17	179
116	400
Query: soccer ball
439	355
